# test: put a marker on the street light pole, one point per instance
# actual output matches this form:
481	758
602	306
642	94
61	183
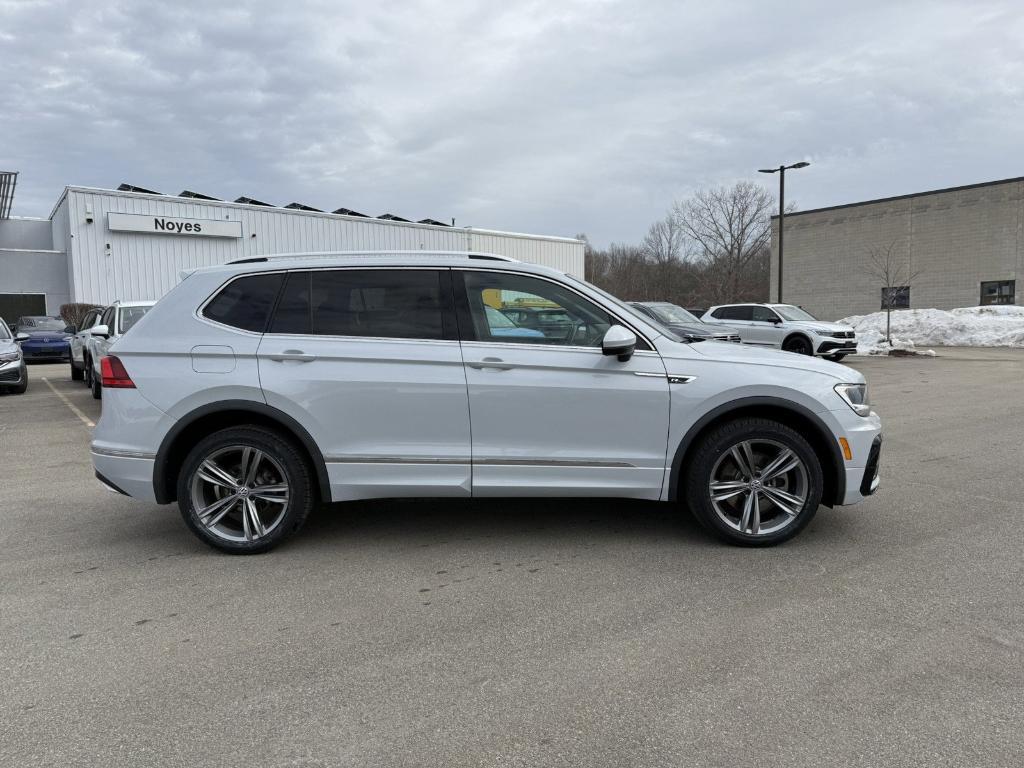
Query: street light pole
781	170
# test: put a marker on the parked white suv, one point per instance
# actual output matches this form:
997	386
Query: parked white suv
786	327
79	342
115	321
256	389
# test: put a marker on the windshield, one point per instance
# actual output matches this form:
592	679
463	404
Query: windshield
130	316
789	312
633	312
670	313
48	324
497	320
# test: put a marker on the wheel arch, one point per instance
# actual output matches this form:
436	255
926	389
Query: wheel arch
793	415
231	413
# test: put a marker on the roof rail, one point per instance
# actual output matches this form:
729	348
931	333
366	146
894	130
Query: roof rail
370	254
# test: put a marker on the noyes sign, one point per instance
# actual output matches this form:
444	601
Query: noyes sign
172	225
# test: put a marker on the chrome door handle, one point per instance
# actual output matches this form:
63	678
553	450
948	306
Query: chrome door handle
292	355
494	363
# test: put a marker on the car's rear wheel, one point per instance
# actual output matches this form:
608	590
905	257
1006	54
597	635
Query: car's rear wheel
244	490
754	482
798	344
77	374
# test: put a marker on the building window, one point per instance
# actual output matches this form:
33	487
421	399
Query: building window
997	292
897	297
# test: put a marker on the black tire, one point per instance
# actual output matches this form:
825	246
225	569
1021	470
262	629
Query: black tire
798	344
713	448
87	372
836	358
77	374
96	386
287	460
20	389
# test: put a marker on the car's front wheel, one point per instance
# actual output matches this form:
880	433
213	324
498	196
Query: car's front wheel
77	374
244	490
754	482
96	386
798	344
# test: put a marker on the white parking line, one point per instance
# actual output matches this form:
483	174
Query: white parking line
74	409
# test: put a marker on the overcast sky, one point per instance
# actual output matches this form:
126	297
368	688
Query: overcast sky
548	117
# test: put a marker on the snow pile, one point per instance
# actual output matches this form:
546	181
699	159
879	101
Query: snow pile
998	326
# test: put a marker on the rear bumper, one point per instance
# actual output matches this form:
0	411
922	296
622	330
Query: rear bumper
131	475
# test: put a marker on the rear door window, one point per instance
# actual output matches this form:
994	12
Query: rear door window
378	303
734	313
245	303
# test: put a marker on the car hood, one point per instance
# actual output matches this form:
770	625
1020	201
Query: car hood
819	325
750	355
718	329
684	329
46	336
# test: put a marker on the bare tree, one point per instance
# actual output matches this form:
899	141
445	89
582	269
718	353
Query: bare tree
730	232
73	314
887	265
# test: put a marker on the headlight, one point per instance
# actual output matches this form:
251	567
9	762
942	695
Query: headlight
10	357
855	396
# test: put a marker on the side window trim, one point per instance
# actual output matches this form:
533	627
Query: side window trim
465	320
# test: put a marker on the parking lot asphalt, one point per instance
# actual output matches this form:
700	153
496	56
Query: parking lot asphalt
528	633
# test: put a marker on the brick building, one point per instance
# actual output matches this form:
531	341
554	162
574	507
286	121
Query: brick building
965	243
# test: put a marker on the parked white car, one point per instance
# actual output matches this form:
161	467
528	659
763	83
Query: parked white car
116	320
79	341
256	389
13	372
786	327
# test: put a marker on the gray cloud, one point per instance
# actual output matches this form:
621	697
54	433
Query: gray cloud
534	116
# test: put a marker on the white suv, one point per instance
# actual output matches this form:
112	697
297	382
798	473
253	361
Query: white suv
786	327
115	321
256	389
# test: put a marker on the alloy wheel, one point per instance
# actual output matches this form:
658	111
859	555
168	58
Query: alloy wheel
239	493
759	487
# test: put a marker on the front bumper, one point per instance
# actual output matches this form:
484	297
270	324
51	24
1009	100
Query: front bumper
838	346
864	436
12	373
46	351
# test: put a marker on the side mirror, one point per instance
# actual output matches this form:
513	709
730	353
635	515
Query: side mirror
619	341
20	336
100	330
70	329
774	320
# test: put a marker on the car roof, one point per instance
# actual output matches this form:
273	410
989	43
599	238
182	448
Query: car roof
326	260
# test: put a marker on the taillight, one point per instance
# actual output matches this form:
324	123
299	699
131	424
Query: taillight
114	374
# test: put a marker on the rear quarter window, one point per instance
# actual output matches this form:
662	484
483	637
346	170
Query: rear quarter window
245	303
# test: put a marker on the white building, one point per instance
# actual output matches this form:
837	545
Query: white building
99	245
